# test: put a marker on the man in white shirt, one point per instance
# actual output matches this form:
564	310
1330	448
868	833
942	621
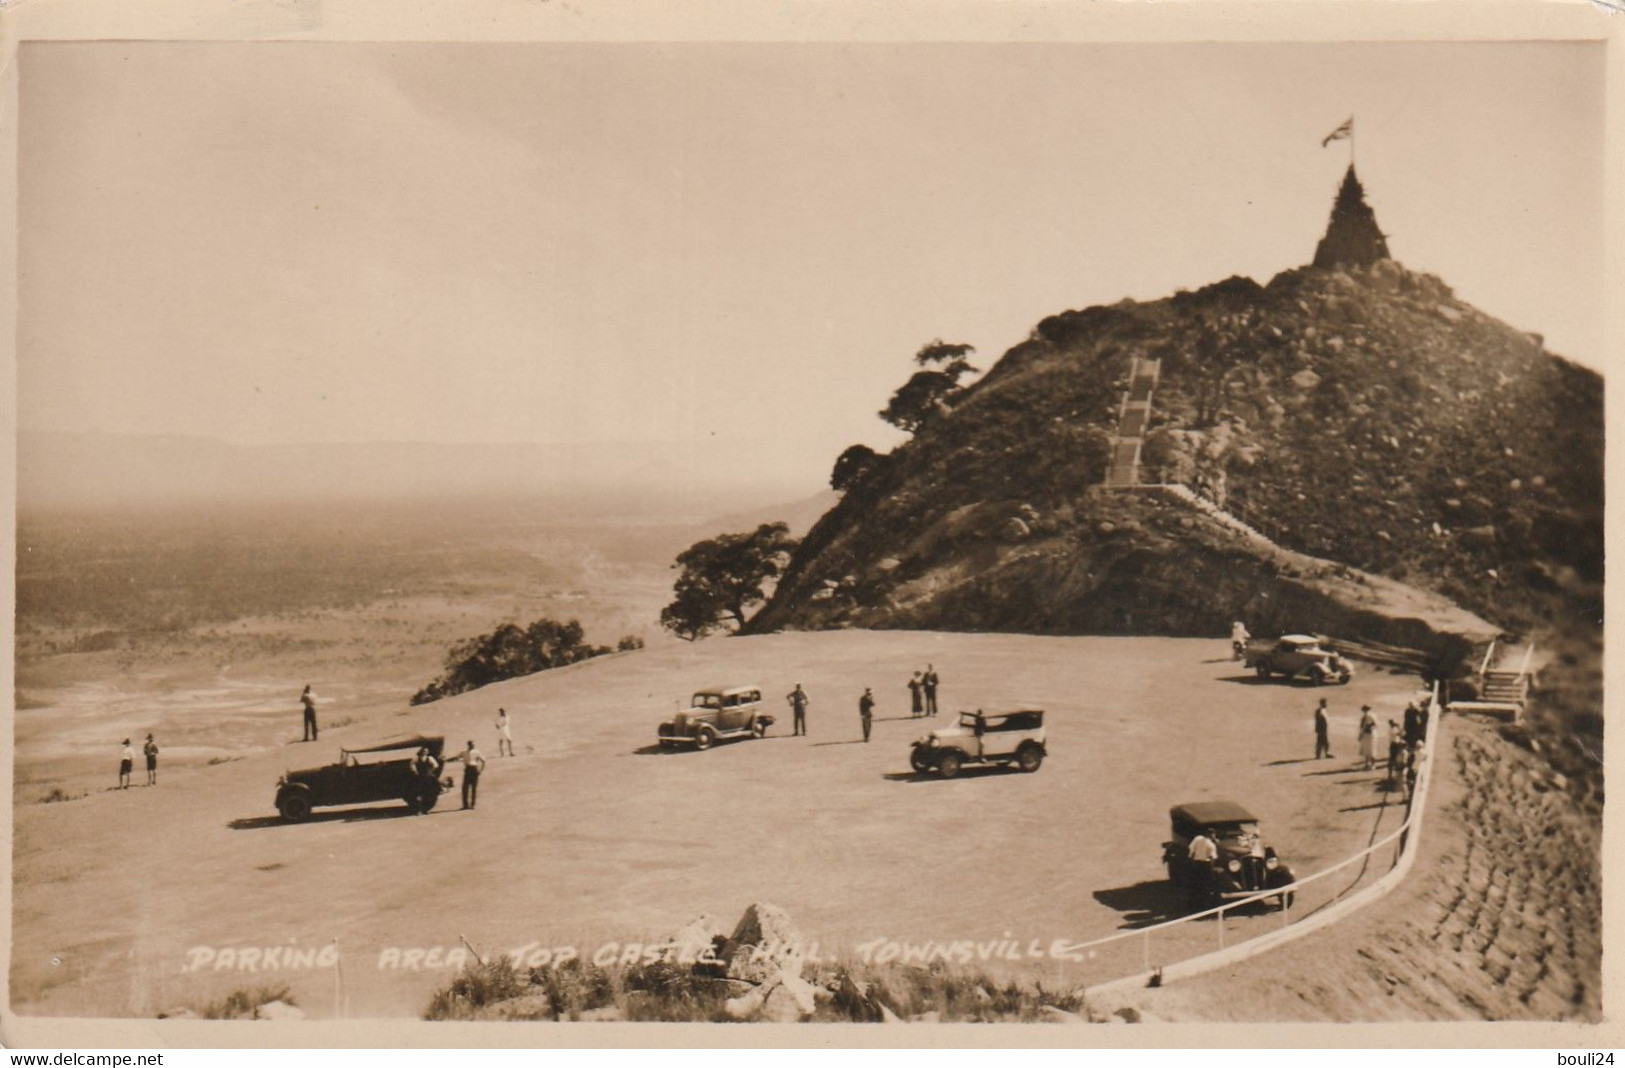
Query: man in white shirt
473	764
1202	850
308	699
126	764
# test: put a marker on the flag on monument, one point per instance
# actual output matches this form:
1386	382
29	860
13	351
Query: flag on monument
1344	131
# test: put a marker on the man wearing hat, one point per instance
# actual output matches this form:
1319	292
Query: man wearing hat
125	764
151	751
866	711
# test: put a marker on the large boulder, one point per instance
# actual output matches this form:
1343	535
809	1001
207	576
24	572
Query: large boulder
697	938
764	943
747	1004
790	999
278	1010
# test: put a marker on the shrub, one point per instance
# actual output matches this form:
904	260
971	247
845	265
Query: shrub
242	1004
509	652
479	985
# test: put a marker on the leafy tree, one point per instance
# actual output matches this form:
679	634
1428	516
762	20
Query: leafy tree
509	652
722	577
940	352
926	391
851	467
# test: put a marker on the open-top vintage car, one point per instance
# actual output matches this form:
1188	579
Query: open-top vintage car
716	713
1241	863
1298	655
360	777
1014	736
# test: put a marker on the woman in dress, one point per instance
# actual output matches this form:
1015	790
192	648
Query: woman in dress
1368	737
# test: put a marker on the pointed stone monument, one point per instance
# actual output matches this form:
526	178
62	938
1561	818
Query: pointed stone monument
1352	237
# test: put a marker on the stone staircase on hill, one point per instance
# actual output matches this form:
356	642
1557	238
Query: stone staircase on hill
1133	417
1502	690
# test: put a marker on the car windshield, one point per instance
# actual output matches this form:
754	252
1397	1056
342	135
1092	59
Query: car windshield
967	719
1234	831
707	700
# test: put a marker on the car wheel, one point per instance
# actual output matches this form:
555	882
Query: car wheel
294	806
917	761
426	798
1263	672
948	765
1285	901
1029	758
705	738
758	728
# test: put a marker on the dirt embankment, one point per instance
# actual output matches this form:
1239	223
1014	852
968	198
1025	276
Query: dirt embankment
1500	919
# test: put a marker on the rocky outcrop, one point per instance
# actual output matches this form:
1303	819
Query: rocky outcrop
1339	412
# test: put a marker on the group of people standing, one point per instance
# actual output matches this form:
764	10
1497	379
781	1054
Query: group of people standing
922	692
126	763
922	697
1404	739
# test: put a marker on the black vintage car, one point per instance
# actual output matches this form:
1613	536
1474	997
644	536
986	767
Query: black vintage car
356	781
1241	863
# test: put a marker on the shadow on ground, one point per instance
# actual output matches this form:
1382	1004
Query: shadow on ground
1146	903
341	815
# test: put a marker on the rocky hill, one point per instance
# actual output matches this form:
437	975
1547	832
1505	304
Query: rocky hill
1356	412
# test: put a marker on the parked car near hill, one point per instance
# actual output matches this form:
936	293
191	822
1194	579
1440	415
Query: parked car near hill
1298	656
1015	736
716	713
353	781
1241	863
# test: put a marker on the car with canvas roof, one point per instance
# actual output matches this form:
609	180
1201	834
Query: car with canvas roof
402	769
1012	736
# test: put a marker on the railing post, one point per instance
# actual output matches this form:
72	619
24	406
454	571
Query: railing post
1527	653
1145	947
1220	917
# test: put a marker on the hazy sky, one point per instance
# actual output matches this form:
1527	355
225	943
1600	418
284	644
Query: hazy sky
338	242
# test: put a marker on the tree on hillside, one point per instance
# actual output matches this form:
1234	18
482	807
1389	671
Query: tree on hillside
851	467
939	352
720	578
509	652
927	391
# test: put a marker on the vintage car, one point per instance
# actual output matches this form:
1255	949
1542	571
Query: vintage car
355	781
1298	656
1242	864
716	713
1012	736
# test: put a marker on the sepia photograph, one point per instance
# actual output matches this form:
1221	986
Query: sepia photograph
895	532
